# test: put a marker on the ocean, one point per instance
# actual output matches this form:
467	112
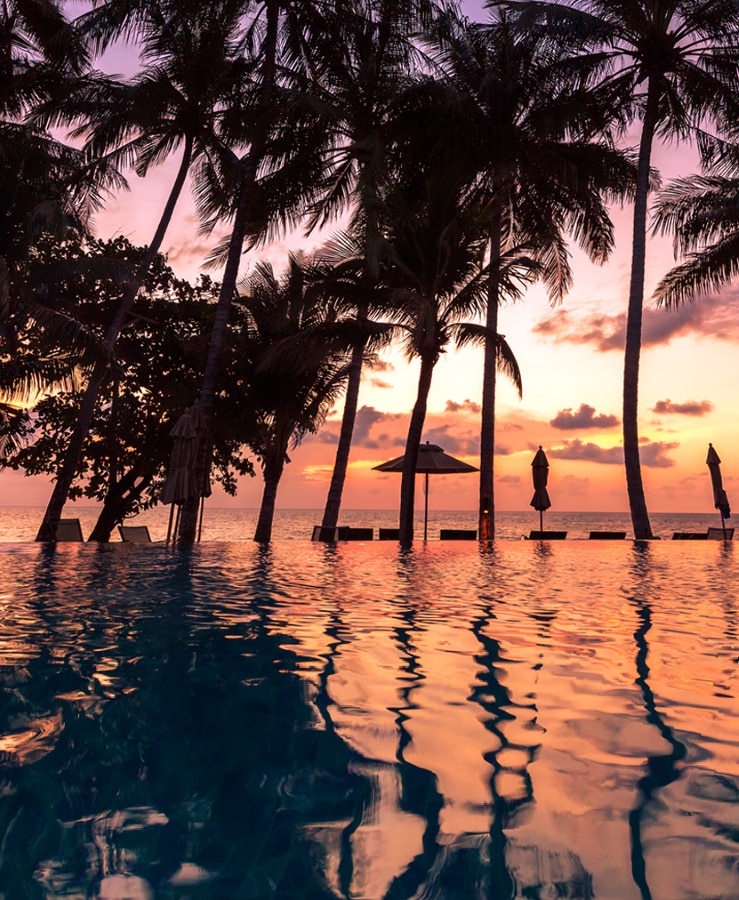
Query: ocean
229	524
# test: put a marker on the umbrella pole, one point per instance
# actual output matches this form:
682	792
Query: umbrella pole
541	520
426	508
200	522
723	523
169	527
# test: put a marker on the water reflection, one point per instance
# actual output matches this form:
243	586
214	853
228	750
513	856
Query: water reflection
358	722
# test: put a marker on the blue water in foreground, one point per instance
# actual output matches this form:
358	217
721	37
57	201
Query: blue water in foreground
353	721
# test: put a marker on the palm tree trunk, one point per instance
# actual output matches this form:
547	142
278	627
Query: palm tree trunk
341	463
66	475
489	379
413	442
272	475
190	508
634	485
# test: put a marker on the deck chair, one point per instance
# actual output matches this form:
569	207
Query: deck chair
607	535
717	534
388	534
69	530
326	535
457	534
346	533
134	534
547	535
689	536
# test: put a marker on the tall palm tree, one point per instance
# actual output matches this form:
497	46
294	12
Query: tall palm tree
192	61
525	129
286	400
433	247
365	59
673	64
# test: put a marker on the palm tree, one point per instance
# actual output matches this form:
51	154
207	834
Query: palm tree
703	214
673	65
286	400
433	247
364	62
192	60
524	126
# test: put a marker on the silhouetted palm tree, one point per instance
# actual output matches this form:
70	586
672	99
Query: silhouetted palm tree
524	125
433	248
673	64
286	400
703	214
192	60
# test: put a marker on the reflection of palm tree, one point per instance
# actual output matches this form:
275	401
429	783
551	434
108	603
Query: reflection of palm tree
661	770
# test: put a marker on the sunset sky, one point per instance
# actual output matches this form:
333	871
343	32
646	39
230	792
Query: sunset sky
571	359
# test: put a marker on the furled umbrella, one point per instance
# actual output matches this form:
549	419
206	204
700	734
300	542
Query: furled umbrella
540	474
180	483
431	460
720	500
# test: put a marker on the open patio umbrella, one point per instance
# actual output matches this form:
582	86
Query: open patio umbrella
540	474
720	500
431	460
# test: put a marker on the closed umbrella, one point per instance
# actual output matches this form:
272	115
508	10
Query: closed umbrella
431	460
720	500
540	474
180	483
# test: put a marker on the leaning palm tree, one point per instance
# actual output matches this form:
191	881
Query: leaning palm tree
434	241
524	126
287	399
673	64
703	215
192	60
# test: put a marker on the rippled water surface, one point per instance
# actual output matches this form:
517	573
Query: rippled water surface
313	721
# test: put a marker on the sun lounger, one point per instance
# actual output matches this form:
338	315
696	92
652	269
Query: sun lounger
458	534
689	536
346	533
134	534
69	530
547	535
717	534
326	535
388	534
607	535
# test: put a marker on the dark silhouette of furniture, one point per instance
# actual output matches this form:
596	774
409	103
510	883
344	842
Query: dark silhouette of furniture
389	534
134	534
458	534
689	536
547	535
69	530
607	535
717	534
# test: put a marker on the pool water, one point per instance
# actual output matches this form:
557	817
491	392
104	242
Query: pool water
354	721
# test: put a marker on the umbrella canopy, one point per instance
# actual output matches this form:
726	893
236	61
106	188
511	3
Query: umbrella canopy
540	473
720	500
431	460
180	483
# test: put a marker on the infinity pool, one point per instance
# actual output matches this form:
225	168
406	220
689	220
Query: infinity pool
307	721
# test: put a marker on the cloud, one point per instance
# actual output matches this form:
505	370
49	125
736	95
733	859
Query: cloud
689	408
653	454
709	317
585	417
379	365
467	406
509	479
468	444
367	418
572	486
379	383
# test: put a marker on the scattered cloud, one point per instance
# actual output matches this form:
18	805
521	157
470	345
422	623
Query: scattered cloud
709	317
571	486
379	365
584	417
653	454
509	479
467	406
379	383
689	408
367	417
467	444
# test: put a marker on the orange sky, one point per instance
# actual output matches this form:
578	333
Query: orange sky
571	362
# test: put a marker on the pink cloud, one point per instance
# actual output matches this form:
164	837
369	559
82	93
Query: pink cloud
709	317
653	454
467	406
689	408
584	417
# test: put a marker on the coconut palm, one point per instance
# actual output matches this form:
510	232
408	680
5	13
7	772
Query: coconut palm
192	60
364	60
524	125
673	64
434	241
286	401
703	214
